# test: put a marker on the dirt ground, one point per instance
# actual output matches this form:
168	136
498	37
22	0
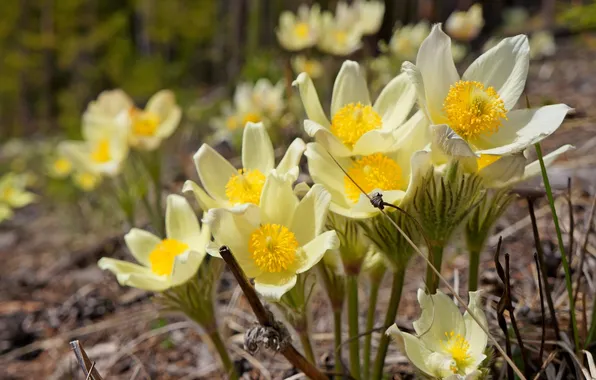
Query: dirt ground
52	292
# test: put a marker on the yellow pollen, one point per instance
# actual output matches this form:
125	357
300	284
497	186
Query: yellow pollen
62	166
486	159
251	117
301	30
144	123
245	187
376	171
354	120
341	37
273	247
458	347
473	110
163	255
101	152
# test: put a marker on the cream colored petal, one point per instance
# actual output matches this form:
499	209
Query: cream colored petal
413	135
272	286
20	199
233	228
414	349
141	243
312	252
504	67
435	63
503	170
324	137
278	202
203	199
327	172
310	100
291	158
375	141
247	264
133	275
349	87
311	214
533	169
396	101
185	266
214	171
415	77
169	123
446	141
475	335
77	152
5	212
439	316
182	223
257	149
523	128
420	164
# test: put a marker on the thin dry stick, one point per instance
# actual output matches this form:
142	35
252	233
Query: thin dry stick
84	362
265	318
583	248
542	312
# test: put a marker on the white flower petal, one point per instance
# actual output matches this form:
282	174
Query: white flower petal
533	169
375	141
278	201
415	77
503	170
203	199
291	158
504	67
420	164
475	335
435	63
272	286
311	214
325	171
449	143
310	100
214	171
185	266
136	276
523	128
395	101
312	252
324	137
412	347
349	87
257	149
182	224
141	243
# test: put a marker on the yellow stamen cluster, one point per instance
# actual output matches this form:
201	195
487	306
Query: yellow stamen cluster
144	123
252	117
62	166
376	171
101	152
245	187
273	248
458	347
354	120
163	255
473	110
301	30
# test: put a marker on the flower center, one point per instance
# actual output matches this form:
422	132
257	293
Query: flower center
273	247
341	37
354	120
473	110
376	171
251	117
163	255
7	193
101	152
245	187
301	30
86	181
458	347
62	166
144	123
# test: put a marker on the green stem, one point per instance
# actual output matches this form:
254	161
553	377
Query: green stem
436	256
565	262
352	289
337	341
473	270
307	346
156	178
227	363
370	321
396	289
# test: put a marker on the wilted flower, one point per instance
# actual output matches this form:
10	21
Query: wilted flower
13	193
228	187
406	40
277	240
542	44
448	345
471	117
163	263
370	15
465	25
310	66
356	127
340	34
297	32
146	128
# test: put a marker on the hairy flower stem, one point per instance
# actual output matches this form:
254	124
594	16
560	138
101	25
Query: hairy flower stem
226	361
436	256
473	270
352	290
337	341
564	260
370	321
396	289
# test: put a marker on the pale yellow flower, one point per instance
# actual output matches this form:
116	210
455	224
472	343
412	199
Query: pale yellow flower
465	25
278	239
5	212
472	117
12	191
339	35
163	263
299	31
542	44
447	344
86	181
406	40
228	187
310	66
357	127
60	167
370	15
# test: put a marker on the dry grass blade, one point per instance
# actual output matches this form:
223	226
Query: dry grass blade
84	362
